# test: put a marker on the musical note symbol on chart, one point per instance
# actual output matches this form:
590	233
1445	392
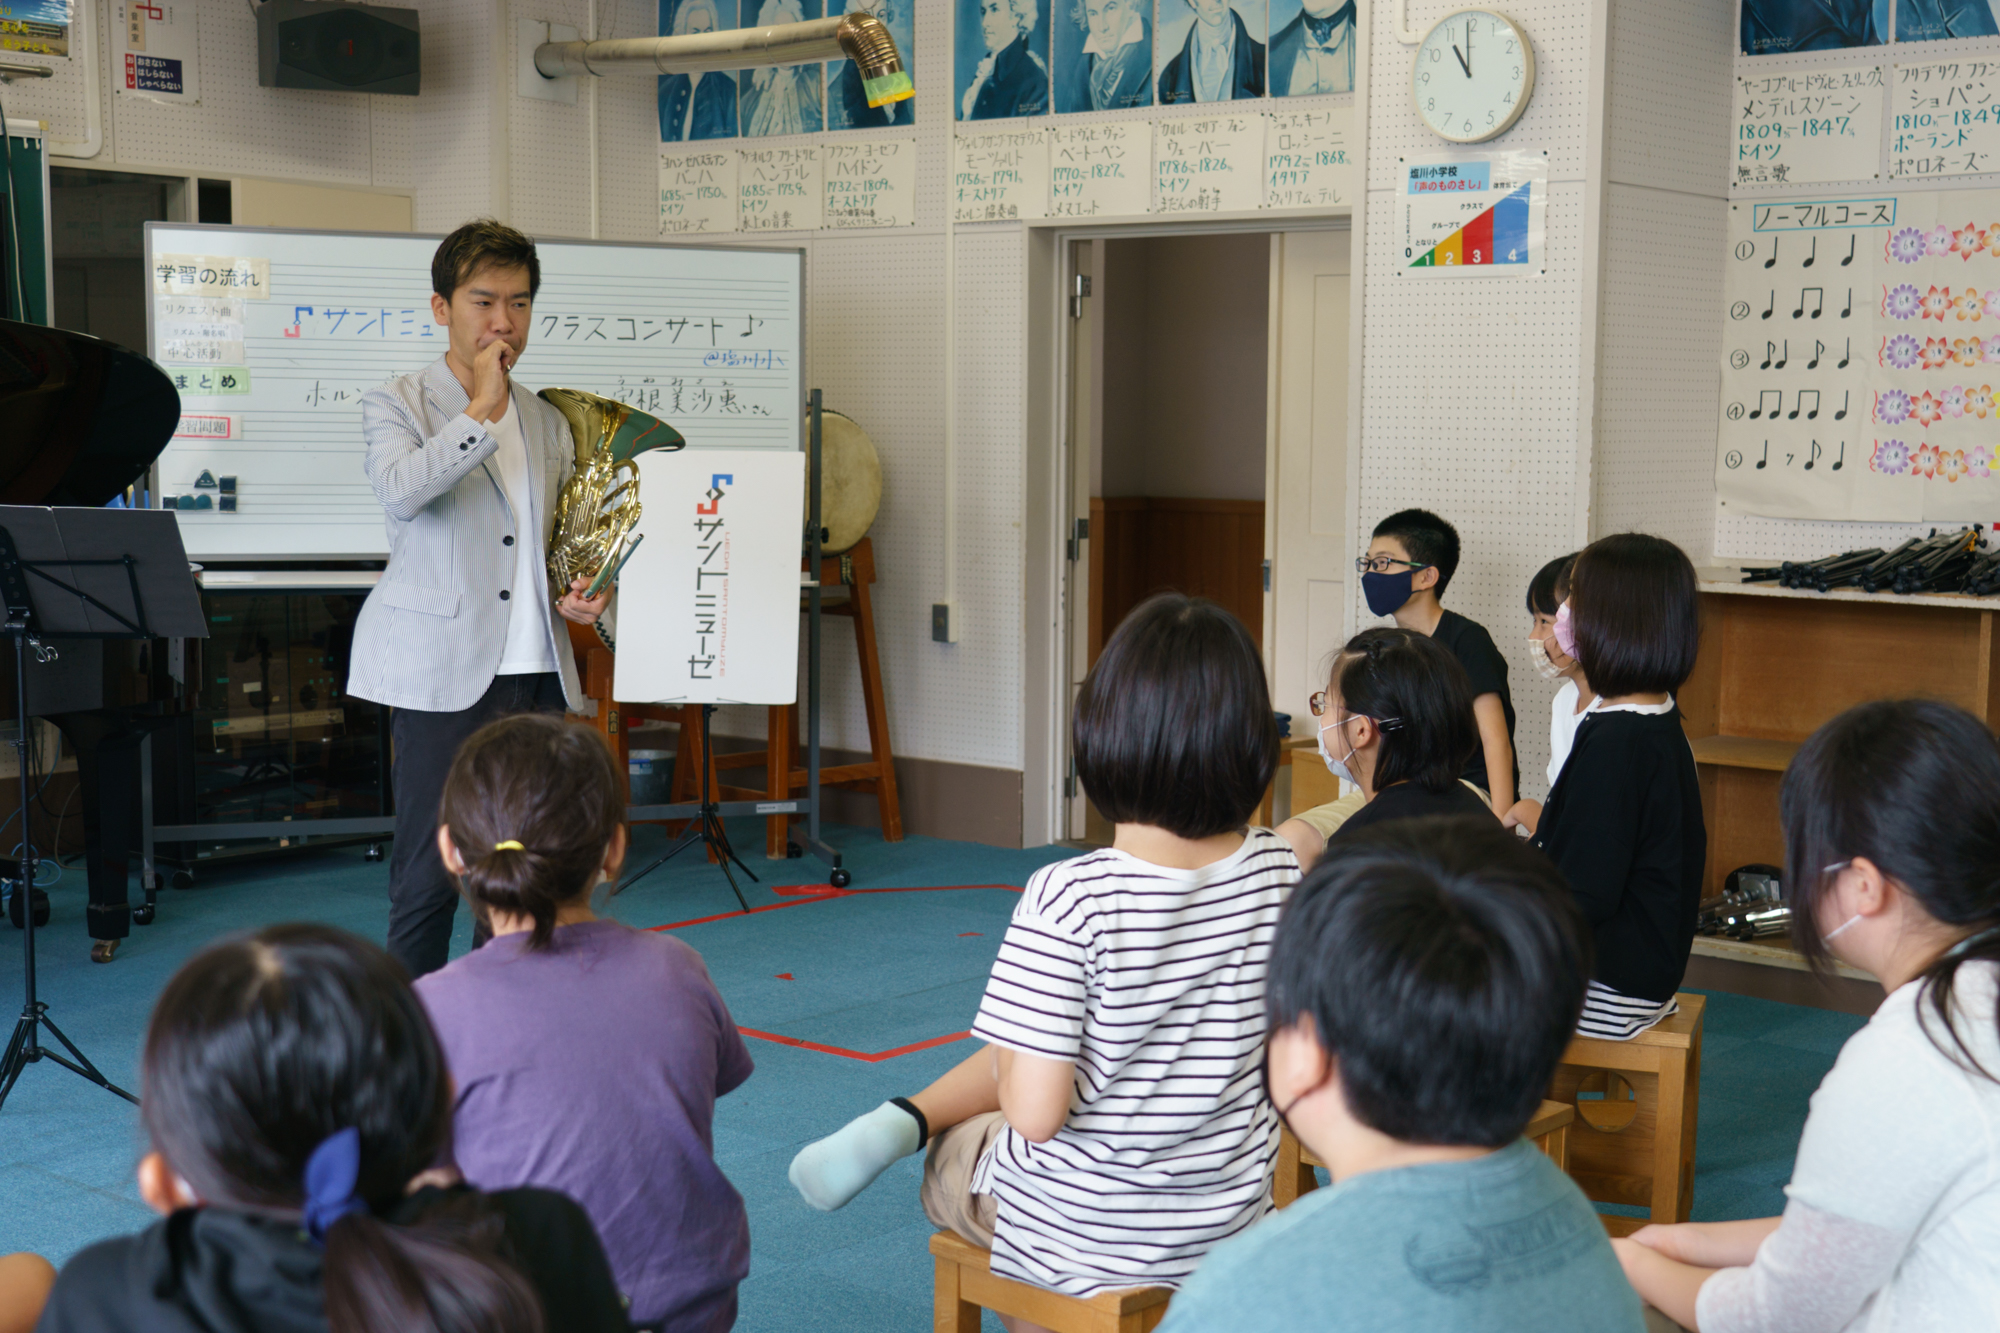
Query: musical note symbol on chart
1846	310
1779	364
1794	416
1819	349
1762	394
1846	356
1774	253
1771	354
1841	415
1814	254
1844	263
1843	456
1767	455
1820	292
1815	456
1770	304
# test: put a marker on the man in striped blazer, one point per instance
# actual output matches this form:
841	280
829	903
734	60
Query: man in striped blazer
467	466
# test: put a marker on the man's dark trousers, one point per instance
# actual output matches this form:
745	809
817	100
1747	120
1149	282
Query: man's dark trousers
422	895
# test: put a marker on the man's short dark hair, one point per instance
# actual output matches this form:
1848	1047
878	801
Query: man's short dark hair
1428	539
1550	585
484	243
1636	613
1420	697
1173	726
1443	962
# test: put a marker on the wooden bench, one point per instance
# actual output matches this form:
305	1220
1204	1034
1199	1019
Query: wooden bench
1549	1131
1634	1144
966	1285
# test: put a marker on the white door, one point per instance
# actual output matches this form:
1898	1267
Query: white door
1083	431
1310	548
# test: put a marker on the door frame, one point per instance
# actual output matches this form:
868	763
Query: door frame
1045	628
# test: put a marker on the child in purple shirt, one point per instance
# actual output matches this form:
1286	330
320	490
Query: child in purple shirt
588	1055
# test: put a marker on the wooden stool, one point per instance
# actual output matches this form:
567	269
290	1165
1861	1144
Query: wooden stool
784	769
966	1285
1636	1146
1549	1131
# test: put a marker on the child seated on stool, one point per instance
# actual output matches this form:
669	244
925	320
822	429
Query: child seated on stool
1114	1130
588	1055
1623	822
1396	720
1425	981
1547	591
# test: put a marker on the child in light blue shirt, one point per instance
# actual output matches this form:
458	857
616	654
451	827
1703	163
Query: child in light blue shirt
1425	980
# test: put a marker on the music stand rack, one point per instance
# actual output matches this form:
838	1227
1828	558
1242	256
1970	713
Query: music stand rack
28	621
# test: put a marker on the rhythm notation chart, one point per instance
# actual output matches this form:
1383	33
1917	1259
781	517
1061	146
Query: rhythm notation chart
1861	347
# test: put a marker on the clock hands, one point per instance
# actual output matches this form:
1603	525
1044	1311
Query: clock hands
1464	62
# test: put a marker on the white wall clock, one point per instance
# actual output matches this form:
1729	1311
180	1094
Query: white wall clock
1474	74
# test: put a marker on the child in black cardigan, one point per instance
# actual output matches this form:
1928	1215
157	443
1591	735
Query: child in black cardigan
1624	819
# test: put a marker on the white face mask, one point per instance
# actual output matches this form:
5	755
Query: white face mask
1846	925
1538	654
1337	767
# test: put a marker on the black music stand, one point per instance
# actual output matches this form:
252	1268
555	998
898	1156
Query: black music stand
706	829
80	574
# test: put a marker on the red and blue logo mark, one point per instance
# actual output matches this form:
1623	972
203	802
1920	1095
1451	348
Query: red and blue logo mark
716	482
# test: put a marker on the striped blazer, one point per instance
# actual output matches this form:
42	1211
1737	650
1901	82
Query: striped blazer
431	633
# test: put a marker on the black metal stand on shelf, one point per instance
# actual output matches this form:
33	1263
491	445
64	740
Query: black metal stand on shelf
75	612
709	814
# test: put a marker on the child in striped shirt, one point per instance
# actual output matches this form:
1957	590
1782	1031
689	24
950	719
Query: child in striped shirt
1114	1129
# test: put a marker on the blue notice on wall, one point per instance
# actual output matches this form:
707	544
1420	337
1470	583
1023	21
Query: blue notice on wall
152	74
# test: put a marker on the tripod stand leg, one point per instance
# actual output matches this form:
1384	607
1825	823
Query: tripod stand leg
715	836
686	838
81	1065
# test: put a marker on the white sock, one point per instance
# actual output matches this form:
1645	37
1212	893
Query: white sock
833	1170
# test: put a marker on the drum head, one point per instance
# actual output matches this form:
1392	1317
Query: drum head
850	482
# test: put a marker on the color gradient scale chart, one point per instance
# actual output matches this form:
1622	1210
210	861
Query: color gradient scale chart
1474	215
1497	236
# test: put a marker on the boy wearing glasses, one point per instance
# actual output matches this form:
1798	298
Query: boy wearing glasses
1410	560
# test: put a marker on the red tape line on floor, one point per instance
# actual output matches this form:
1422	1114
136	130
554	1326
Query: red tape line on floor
801	894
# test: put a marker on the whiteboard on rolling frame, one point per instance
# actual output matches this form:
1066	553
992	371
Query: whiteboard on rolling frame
272	336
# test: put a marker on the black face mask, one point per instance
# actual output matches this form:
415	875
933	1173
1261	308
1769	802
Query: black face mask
1264	1074
1386	593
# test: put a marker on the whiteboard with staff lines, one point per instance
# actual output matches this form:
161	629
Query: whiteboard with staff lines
272	336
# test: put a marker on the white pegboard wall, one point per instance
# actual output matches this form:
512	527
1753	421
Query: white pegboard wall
1659	344
1667	124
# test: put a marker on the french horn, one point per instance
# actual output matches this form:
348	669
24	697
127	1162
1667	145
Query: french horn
599	504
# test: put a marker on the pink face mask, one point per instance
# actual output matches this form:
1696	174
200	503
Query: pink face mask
1564	631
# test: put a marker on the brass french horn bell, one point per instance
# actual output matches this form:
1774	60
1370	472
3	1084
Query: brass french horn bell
599	505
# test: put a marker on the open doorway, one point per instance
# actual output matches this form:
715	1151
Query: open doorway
1206	428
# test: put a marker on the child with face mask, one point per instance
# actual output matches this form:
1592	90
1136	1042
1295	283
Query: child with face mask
1892	864
1395	720
1624	820
1546	594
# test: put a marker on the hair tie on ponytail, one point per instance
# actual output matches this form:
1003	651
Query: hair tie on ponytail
509	846
331	1173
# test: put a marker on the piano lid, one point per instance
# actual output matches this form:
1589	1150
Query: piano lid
84	418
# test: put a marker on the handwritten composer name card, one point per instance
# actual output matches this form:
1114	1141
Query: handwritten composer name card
779	189
1210	164
698	193
1000	177
1101	170
1811	125
1311	159
871	183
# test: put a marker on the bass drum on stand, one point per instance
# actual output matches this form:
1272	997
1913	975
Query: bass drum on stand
850	486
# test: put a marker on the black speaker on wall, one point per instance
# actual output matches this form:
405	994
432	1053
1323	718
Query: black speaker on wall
346	48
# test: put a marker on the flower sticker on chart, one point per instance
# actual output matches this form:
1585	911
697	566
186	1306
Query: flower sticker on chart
1969	304
1979	400
1891	458
1925	408
1937	303
1924	462
1979	462
1892	407
1902	352
1951	464
1967	352
1937	241
1953	401
1906	245
1936	354
1902	301
1989	351
1968	241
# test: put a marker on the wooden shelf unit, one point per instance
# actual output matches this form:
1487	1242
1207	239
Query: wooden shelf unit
1776	664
